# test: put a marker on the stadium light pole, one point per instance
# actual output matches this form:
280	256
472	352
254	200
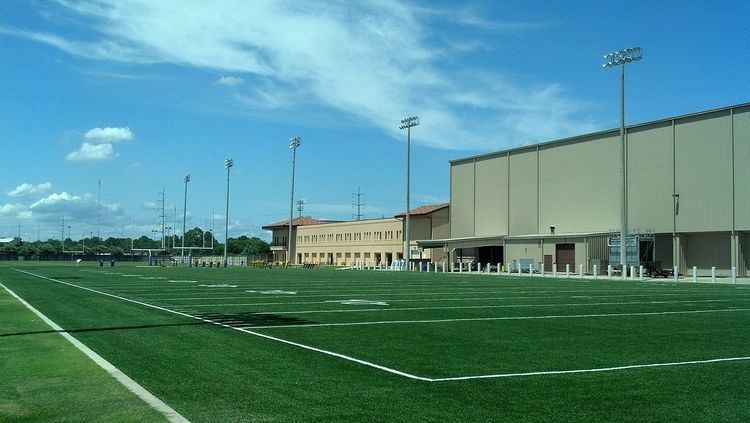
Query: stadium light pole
407	124
184	216
228	163
294	143
620	58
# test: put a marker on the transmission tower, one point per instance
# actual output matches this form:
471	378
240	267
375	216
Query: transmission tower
358	204
300	206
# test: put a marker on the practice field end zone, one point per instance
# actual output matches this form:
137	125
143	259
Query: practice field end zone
312	345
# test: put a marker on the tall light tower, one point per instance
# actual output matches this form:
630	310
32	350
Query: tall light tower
228	163
184	217
620	58
407	124
294	143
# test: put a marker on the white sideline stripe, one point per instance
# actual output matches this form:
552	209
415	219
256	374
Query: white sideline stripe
130	384
482	319
360	310
258	334
602	369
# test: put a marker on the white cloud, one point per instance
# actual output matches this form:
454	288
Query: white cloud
10	209
92	153
374	61
77	206
29	189
230	81
108	135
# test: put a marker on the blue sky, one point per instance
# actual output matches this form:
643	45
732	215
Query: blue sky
138	94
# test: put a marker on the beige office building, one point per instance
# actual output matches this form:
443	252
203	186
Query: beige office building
558	203
369	241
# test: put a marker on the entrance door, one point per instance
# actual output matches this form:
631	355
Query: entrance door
548	262
566	254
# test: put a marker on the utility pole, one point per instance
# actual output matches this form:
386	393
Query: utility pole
228	163
294	143
162	215
99	208
184	218
620	58
358	204
407	124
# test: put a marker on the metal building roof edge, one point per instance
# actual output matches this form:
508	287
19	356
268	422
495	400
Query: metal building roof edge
593	134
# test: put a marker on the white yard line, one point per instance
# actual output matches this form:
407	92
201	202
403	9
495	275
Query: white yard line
397	294
130	384
360	310
485	319
416	300
258	334
601	369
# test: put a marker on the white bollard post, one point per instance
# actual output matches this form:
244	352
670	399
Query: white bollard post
567	270
632	273
713	274
499	267
554	270
734	275
508	268
624	272
596	271
470	266
531	269
675	269
519	268
640	272
609	271
541	269
580	271
695	273
460	267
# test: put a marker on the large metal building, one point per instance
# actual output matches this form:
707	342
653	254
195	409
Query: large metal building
557	203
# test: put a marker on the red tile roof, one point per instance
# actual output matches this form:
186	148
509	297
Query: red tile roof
425	209
297	221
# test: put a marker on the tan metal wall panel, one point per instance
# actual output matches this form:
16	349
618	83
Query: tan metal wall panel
523	193
703	172
742	168
650	178
462	199
579	185
491	196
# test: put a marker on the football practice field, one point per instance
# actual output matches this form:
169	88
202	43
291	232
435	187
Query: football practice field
243	344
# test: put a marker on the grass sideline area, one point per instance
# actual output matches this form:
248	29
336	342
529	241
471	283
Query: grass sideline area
45	378
244	344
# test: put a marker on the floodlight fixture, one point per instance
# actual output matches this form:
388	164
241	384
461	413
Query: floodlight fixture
620	58
228	163
295	142
408	123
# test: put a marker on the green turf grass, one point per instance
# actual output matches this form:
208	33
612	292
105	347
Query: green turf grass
45	378
210	373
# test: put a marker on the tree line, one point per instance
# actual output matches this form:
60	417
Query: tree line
243	245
